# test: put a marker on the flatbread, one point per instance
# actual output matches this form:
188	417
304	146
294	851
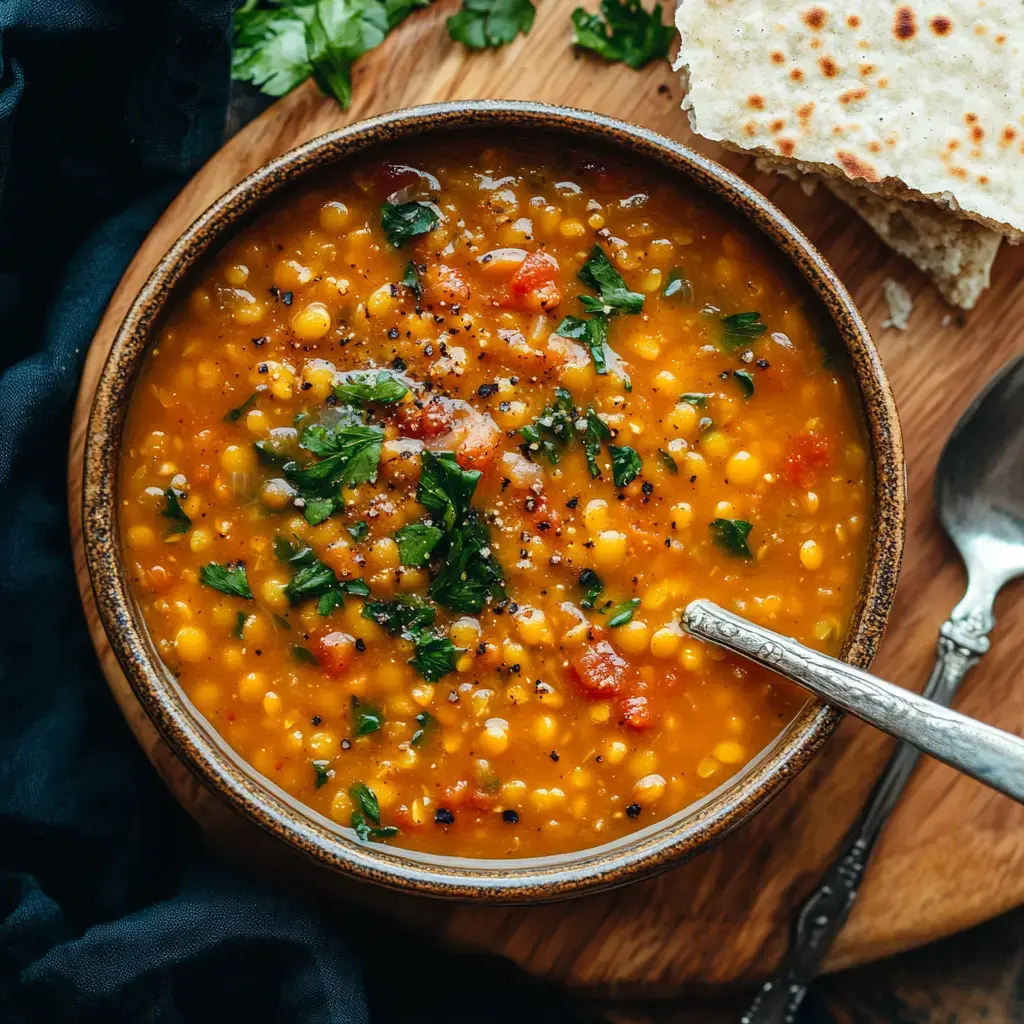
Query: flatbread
956	254
908	100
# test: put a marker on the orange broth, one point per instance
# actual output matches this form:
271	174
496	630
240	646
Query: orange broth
561	475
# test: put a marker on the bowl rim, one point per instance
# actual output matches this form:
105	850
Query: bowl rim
670	840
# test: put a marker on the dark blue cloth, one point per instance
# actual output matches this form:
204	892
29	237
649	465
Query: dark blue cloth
110	908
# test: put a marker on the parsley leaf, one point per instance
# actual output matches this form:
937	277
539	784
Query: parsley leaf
402	222
626	464
695	398
359	386
403	615
483	23
366	832
358	531
303	655
411	279
416	541
746	381
228	579
668	462
365	719
313	578
551	431
435	656
731	534
623	31
445	489
597	431
323	773
469	573
234	415
426	721
593	585
593	332
623	613
740	329
679	285
240	620
270	46
172	510
600	274
366	799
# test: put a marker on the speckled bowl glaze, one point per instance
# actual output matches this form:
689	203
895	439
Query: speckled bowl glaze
660	845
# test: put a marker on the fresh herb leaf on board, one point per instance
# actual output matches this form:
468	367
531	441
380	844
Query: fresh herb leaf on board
484	23
623	32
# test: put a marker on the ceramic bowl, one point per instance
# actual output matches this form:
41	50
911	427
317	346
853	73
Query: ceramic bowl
663	843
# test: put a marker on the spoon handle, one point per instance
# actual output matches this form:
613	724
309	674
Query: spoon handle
963	639
981	751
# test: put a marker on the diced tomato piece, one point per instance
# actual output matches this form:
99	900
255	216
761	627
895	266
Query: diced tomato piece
442	283
811	453
636	712
334	652
538	269
479	447
599	670
424	421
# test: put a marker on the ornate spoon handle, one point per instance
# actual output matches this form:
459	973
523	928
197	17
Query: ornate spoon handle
963	639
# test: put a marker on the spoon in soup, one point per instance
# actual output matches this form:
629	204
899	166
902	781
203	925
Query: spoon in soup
979	491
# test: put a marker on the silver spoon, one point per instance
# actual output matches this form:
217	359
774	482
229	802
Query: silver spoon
979	490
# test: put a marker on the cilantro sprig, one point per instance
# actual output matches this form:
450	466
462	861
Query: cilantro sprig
623	32
491	23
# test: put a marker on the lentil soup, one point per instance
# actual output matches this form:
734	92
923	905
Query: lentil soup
421	471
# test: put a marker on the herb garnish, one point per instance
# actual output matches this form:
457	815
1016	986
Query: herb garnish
365	719
600	274
551	431
402	222
366	799
349	455
228	579
172	510
416	541
483	23
303	655
623	613
323	773
597	432
240	620
626	464
435	656
313	578
739	329
410	617
623	31
445	489
368	807
411	279
425	720
403	615
278	44
361	386
695	398
731	534
746	380
593	332
358	531
592	584
667	461
679	286
234	415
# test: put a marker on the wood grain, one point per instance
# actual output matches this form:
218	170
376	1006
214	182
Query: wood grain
953	854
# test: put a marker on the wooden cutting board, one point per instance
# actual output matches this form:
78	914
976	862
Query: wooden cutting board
953	854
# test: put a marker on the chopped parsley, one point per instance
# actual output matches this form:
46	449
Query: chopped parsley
667	461
490	23
600	274
416	541
551	431
303	655
593	333
445	488
228	579
361	386
172	511
626	464
435	656
366	799
313	578
731	535
623	613
678	286
411	279
403	615
322	769
349	454
740	329
365	719
402	222
367	832
746	381
623	32
358	531
695	398
425	720
596	433
240	620
234	415
592	585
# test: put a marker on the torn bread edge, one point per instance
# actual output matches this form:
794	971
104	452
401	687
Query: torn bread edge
956	254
